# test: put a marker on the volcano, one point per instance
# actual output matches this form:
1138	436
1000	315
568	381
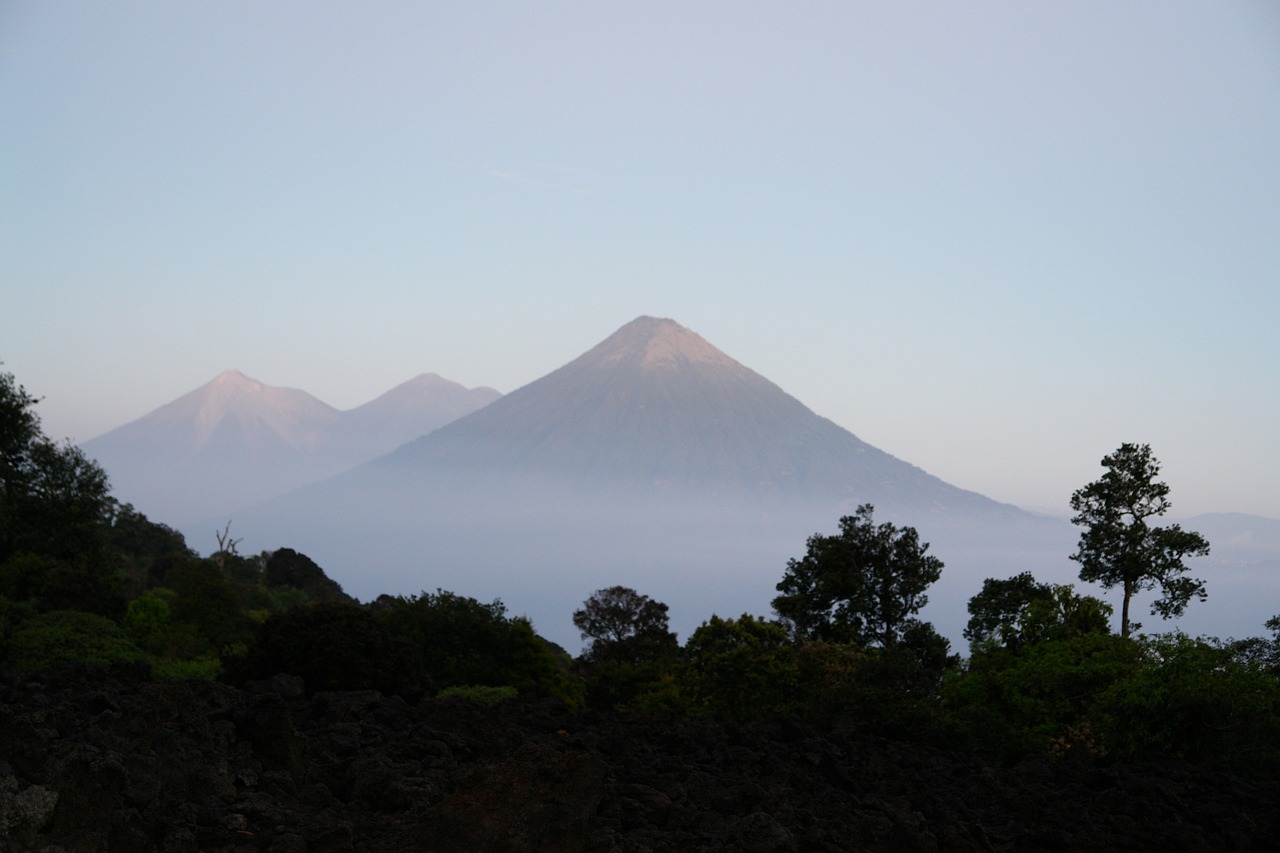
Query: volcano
656	407
235	441
654	461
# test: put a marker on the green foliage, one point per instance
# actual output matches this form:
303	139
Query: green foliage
1261	652
892	691
739	668
632	651
206	668
331	645
52	497
1015	612
480	694
862	586
206	600
624	625
1018	702
1119	548
56	583
139	544
63	637
147	619
408	645
285	567
453	640
1194	699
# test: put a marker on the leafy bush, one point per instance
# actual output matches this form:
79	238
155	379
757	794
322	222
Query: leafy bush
330	645
63	637
1015	703
479	693
1191	698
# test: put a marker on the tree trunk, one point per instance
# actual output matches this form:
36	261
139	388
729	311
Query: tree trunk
1124	609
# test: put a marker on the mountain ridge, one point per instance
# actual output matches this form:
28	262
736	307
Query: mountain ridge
235	441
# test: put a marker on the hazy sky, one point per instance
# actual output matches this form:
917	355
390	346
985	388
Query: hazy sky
996	240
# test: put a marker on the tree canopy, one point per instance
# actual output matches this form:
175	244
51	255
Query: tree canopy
53	499
864	585
623	624
1118	547
1020	610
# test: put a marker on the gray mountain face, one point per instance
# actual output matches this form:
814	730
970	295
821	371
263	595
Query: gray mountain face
655	406
654	461
235	442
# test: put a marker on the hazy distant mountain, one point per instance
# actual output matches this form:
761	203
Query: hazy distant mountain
424	403
653	460
236	441
656	406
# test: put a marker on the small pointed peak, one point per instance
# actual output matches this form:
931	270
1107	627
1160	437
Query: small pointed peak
234	380
429	379
656	341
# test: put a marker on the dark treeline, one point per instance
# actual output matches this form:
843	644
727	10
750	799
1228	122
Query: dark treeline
85	579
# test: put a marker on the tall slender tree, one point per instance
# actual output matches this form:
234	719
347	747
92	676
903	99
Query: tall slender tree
1119	547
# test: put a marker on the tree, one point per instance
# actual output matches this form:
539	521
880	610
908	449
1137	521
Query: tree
1020	610
455	641
286	567
862	586
740	668
624	625
1119	548
53	499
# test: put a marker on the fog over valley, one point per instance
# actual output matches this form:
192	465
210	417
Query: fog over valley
654	460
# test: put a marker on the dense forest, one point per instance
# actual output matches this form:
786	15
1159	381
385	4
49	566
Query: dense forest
86	581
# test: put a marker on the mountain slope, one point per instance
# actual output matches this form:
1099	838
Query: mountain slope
235	441
413	409
653	460
656	405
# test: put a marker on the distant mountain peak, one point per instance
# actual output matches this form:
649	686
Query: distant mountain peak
656	342
242	440
234	384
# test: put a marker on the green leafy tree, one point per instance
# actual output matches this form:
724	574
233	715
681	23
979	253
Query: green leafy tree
1261	652
863	585
206	601
147	619
631	652
740	668
54	503
621	624
287	567
141	545
330	645
64	637
1014	612
1044	694
1119	547
53	498
453	641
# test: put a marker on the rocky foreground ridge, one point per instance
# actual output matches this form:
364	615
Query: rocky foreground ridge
105	759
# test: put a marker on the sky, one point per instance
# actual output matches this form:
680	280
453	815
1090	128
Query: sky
995	239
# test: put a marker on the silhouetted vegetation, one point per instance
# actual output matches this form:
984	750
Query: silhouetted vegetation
84	579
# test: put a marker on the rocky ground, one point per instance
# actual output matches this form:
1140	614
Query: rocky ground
103	760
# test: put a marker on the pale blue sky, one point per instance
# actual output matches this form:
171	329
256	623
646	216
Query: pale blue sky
994	239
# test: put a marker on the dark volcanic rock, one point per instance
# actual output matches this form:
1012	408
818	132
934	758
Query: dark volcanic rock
105	760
